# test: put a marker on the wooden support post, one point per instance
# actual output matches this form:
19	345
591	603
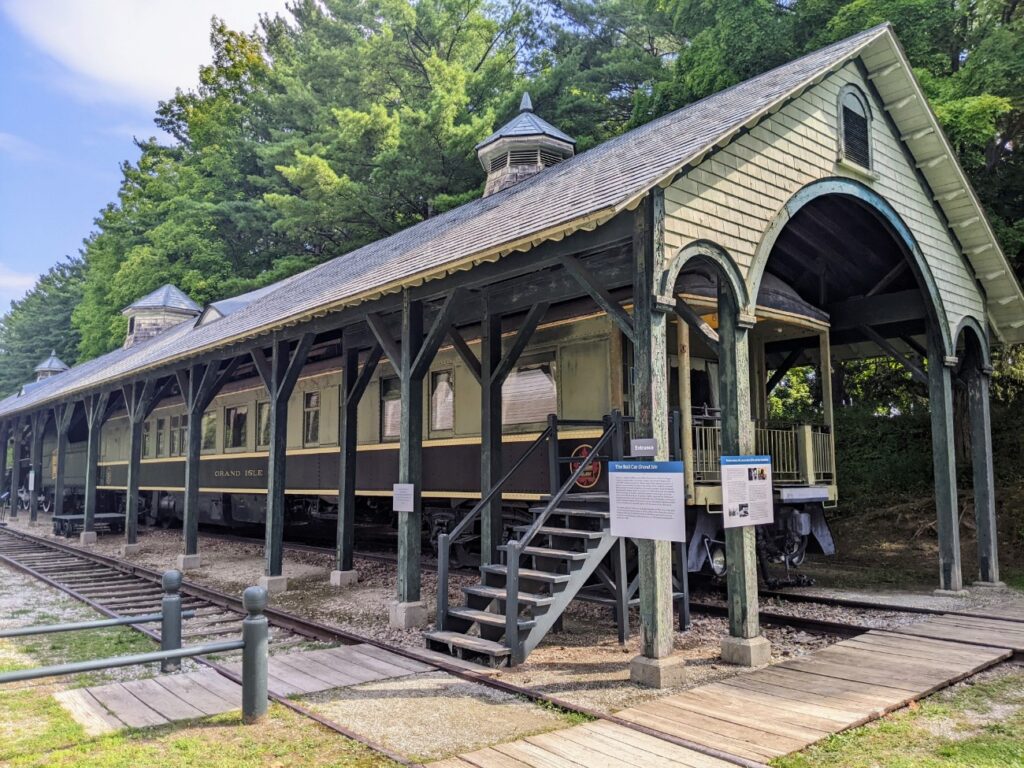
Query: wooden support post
738	440
62	416
140	398
410	451
3	458
35	462
984	483
940	395
354	385
685	406
95	415
279	375
650	361
827	405
490	435
199	384
16	435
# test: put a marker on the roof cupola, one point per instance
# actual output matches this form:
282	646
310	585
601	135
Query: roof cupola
51	366
523	147
155	312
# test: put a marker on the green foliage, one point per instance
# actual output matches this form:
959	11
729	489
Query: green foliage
40	323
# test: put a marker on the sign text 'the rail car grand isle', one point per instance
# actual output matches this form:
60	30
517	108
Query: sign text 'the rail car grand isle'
648	500
747	491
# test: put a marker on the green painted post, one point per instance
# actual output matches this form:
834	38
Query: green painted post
255	636
35	463
737	440
490	436
190	514
347	429
984	482
273	548
62	415
170	621
940	397
650	360
95	415
512	554
16	434
3	461
410	451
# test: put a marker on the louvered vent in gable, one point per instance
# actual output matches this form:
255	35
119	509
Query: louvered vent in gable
855	128
522	157
549	158
499	162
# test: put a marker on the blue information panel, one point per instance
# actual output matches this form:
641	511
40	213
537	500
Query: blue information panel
747	491
648	500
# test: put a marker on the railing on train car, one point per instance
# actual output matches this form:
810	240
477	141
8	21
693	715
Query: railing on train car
252	643
823	453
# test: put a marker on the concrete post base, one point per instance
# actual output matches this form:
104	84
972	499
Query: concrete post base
746	651
274	585
668	672
128	550
989	584
87	538
951	593
408	615
344	578
189	562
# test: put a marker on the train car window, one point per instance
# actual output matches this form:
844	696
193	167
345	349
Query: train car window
262	425
390	408
236	420
311	418
209	430
442	401
183	436
530	392
161	434
175	424
145	440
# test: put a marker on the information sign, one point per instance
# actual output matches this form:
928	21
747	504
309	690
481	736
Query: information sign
643	447
648	500
747	491
403	494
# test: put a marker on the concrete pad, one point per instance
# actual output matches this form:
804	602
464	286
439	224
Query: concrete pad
189	562
408	615
990	584
274	585
129	550
87	538
951	593
746	651
344	578
667	672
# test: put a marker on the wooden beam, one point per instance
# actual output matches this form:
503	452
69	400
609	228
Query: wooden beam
490	435
63	415
522	338
947	507
95	409
599	294
915	370
779	373
410	451
464	352
438	330
365	374
889	278
695	321
883	309
380	331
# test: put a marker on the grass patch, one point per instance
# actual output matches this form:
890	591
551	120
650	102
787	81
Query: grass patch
570	717
978	725
31	721
282	739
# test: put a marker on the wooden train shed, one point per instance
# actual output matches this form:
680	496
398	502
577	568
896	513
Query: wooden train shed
811	214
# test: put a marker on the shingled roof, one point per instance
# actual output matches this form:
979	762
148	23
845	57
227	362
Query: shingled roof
526	123
165	297
579	193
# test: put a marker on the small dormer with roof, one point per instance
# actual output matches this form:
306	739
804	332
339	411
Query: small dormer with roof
155	312
51	366
523	147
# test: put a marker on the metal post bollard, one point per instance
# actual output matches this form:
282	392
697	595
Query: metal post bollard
170	623
255	635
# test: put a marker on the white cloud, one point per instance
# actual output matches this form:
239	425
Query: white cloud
13	285
132	51
19	149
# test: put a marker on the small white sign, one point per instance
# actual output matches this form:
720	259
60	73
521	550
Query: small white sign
643	447
747	491
648	500
404	497
31	479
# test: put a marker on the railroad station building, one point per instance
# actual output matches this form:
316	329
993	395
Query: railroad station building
812	214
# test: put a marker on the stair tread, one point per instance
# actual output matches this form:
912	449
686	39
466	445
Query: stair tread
560	554
486	617
470	642
574	511
500	593
529	573
587	496
556	531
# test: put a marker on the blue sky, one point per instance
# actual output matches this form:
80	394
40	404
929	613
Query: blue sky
78	80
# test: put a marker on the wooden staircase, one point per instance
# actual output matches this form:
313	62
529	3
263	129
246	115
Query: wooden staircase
517	602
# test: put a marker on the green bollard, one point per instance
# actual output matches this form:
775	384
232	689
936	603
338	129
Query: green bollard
255	635
170	622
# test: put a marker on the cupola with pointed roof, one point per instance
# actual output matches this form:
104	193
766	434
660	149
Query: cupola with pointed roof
51	366
155	312
523	147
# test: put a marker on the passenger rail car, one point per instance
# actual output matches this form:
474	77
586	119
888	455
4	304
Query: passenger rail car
576	366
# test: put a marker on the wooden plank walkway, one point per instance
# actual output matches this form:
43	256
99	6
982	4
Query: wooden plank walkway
167	698
999	633
779	709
